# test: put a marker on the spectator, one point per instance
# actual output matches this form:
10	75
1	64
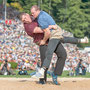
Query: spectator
27	65
81	68
22	70
5	68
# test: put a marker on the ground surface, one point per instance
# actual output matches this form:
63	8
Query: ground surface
31	84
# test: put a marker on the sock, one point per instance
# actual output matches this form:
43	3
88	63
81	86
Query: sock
82	40
42	71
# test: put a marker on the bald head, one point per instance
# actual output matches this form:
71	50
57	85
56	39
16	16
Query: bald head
35	10
36	7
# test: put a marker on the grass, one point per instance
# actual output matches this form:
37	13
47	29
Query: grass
84	76
28	76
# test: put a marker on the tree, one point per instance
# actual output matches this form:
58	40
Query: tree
71	15
26	4
86	9
1	1
75	20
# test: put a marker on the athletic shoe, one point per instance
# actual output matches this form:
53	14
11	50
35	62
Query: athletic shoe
33	73
39	74
42	82
85	40
54	78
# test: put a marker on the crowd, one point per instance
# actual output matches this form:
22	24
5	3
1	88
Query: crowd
17	46
74	57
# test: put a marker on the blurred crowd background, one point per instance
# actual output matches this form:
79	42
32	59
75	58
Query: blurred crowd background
17	46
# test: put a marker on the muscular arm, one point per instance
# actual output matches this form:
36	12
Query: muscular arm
38	30
52	27
46	36
45	31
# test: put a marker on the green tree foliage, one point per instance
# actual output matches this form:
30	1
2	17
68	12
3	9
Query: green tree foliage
72	18
1	1
71	15
26	4
86	9
13	65
17	6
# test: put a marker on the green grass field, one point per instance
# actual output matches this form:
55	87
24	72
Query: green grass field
28	76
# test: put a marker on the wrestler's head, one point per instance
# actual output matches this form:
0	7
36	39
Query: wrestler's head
35	10
25	18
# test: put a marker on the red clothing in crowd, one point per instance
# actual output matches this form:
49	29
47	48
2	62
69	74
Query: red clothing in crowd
6	22
10	22
29	28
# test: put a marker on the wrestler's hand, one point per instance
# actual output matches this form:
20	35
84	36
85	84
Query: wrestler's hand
52	27
42	42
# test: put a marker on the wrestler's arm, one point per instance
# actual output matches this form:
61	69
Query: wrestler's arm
47	33
54	27
37	30
46	36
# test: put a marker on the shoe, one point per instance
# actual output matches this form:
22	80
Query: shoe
39	74
85	40
54	78
33	73
42	82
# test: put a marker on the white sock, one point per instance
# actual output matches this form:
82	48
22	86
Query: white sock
83	40
42	71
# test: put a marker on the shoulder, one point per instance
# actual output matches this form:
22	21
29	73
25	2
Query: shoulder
43	12
43	15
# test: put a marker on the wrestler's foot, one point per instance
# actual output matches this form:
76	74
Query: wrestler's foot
84	40
39	74
54	78
42	82
33	73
